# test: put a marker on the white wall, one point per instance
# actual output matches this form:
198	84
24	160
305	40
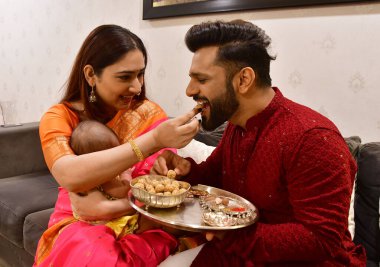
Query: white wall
327	57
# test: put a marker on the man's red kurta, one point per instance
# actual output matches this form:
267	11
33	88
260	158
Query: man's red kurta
295	167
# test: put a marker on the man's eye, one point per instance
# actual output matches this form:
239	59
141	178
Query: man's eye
202	81
141	74
124	77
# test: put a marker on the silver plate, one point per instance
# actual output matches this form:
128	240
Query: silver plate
188	216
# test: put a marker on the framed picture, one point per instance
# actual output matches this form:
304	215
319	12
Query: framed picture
153	9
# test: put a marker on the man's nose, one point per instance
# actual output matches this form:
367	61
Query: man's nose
191	90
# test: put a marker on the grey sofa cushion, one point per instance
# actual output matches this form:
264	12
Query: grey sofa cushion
13	256
35	224
20	151
22	195
367	230
211	138
353	143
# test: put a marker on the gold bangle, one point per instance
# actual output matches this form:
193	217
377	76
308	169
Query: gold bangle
136	149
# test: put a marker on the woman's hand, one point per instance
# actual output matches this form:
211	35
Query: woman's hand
177	132
170	161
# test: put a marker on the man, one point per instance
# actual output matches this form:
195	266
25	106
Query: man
287	159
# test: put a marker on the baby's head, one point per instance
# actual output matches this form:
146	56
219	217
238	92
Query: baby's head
91	136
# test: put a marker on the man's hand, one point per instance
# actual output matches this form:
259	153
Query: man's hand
170	161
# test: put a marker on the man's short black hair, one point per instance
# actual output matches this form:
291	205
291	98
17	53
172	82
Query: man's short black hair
241	44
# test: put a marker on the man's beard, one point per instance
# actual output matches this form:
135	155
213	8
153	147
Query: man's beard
221	109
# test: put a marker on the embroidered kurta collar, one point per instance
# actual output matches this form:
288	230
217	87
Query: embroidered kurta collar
260	119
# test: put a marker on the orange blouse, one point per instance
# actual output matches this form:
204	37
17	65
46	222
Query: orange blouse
58	122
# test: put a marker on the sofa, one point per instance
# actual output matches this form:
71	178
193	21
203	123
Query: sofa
367	201
28	193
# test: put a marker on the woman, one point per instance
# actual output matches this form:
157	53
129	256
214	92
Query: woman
106	84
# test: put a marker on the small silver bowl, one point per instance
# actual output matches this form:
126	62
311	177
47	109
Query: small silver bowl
158	201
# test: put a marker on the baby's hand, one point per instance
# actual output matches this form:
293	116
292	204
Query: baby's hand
126	176
120	186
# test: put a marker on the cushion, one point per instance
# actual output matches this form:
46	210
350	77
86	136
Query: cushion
22	195
20	151
196	150
13	256
35	224
184	258
366	207
353	144
211	138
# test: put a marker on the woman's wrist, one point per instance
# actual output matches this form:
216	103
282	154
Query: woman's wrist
136	149
147	144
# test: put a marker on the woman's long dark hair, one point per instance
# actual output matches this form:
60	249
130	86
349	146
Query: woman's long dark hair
104	46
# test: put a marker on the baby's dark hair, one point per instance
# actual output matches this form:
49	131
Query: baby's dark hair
241	44
91	136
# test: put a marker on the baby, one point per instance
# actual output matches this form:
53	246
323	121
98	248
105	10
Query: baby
106	201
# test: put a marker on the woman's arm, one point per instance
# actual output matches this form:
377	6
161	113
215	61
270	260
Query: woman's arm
84	172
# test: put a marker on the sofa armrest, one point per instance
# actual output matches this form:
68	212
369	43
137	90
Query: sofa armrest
367	230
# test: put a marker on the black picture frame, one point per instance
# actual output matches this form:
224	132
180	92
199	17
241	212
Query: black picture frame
212	6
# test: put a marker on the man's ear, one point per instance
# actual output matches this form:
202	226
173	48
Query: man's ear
245	79
89	74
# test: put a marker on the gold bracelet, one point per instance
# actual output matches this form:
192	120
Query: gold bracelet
136	149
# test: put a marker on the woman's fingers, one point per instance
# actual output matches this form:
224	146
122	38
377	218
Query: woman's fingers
185	118
192	126
188	131
177	132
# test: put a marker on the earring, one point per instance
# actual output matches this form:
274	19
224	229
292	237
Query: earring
92	97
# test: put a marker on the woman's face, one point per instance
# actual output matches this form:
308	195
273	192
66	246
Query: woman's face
118	83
